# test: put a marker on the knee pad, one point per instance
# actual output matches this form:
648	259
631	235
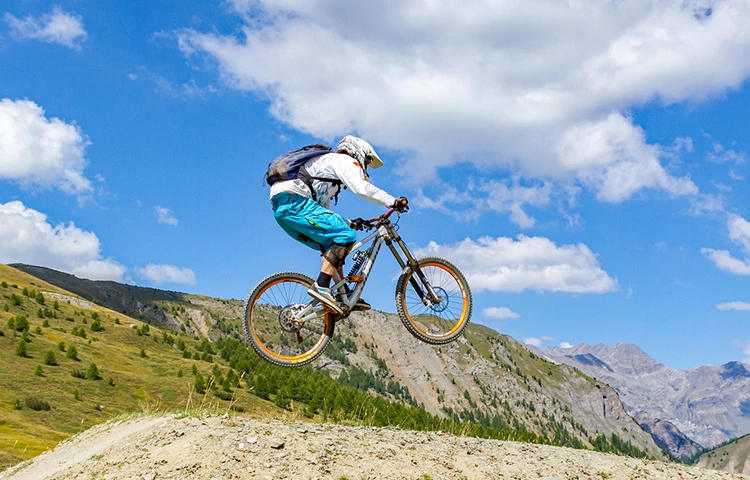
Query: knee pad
336	254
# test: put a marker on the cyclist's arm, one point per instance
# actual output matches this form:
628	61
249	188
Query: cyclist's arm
352	175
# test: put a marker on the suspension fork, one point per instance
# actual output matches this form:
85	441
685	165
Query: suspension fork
411	262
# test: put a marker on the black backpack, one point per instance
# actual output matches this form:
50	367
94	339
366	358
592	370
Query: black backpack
291	165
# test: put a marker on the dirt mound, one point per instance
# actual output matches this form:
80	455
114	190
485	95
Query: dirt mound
168	447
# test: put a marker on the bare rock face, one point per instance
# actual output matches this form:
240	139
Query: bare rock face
668	436
708	404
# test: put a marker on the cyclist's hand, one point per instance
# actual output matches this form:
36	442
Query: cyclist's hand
401	204
358	223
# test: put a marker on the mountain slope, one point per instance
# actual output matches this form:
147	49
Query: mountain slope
733	456
192	314
491	375
708	404
486	378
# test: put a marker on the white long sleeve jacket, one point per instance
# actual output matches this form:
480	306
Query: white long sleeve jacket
334	166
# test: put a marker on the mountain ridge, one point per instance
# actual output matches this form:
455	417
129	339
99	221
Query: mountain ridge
707	404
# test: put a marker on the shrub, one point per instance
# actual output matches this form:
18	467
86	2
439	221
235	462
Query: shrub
77	373
46	323
4	284
37	404
15	300
38	330
223	395
17	405
39	298
143	353
96	326
38	371
50	359
61	346
76	395
72	353
93	372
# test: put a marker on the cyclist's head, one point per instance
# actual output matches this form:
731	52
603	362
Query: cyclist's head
360	150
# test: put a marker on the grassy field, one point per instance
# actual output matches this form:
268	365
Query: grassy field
138	370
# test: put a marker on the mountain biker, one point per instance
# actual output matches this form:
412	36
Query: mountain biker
312	223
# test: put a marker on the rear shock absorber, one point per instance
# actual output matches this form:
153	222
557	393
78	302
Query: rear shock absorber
359	259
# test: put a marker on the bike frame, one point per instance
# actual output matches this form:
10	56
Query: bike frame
385	232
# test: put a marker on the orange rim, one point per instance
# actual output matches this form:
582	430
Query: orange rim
296	358
464	309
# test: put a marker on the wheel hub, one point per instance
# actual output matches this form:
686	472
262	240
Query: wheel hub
289	318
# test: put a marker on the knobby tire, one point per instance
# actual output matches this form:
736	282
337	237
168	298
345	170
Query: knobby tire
263	331
438	324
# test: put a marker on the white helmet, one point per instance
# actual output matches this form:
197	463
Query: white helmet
361	151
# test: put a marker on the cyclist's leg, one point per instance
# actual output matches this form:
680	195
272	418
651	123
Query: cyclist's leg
306	220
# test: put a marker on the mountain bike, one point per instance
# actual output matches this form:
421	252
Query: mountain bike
289	328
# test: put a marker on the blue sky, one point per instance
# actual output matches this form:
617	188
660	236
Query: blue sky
585	164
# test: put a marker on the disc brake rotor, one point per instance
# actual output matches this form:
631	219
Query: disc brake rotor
439	307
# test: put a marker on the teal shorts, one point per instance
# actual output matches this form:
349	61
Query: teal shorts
308	222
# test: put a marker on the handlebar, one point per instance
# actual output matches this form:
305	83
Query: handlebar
374	222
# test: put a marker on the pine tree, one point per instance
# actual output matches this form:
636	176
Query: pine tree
21	348
200	383
72	353
50	359
93	372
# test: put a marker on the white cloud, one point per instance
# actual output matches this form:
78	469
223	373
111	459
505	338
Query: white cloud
164	215
739	233
159	274
27	237
742	306
41	152
565	345
504	196
535	263
537	88
533	341
720	155
55	27
499	313
725	261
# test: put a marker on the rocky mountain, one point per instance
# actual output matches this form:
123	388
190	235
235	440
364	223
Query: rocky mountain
484	377
733	456
708	405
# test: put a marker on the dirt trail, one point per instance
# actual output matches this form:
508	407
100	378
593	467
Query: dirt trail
166	447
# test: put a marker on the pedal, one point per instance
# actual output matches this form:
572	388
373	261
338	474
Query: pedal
355	278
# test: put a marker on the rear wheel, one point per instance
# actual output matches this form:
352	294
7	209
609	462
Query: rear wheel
440	322
279	323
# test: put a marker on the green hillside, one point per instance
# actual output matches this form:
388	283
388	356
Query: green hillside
731	456
139	367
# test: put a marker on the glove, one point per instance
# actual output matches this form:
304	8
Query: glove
401	204
358	223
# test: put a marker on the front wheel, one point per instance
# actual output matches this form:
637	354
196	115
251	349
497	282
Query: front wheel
283	324
434	323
